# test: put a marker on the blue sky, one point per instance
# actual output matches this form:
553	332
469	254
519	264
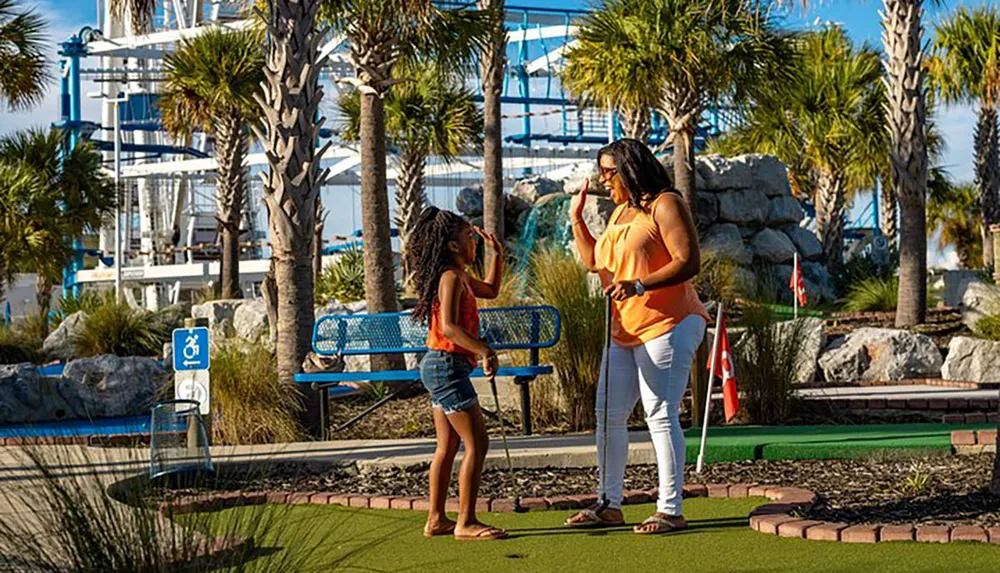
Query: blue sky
860	18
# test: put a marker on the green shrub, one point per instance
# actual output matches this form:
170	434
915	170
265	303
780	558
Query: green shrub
252	405
17	346
720	280
864	267
561	281
87	301
766	359
117	328
343	280
872	294
988	327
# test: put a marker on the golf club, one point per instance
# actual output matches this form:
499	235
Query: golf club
506	449
607	382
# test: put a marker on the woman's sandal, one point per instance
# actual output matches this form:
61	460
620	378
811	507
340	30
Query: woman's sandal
484	534
663	525
446	530
591	521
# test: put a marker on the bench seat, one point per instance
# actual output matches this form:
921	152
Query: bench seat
410	375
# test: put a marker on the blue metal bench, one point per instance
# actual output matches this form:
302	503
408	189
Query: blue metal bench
530	328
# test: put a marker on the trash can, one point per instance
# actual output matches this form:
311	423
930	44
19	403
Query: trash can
179	453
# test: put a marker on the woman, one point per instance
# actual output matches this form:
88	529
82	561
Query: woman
645	258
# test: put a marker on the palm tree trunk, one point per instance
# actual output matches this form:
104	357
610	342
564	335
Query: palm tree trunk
290	104
889	216
906	121
830	217
635	123
380	287
684	180
231	147
43	298
987	176
491	69
317	248
410	200
682	110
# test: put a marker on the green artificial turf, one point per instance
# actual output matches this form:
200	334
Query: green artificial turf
718	540
735	443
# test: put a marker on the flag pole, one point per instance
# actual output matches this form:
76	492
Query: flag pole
708	390
795	282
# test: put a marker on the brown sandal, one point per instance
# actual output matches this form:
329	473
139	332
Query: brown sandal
663	525
591	521
487	533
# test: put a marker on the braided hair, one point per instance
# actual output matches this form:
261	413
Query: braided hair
428	255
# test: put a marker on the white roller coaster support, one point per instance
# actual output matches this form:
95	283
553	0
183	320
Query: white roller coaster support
542	33
550	61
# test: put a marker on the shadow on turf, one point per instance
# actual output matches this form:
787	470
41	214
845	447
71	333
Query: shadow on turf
693	527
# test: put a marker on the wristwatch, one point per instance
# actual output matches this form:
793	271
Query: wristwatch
639	289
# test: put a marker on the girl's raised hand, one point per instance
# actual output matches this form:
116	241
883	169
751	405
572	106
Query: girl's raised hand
490	239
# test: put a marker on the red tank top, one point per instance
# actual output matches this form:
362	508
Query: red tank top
468	319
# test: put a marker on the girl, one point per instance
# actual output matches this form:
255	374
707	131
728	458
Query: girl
439	248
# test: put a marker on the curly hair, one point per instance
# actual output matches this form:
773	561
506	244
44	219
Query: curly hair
427	254
641	173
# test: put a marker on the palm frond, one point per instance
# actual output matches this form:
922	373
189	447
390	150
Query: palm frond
24	68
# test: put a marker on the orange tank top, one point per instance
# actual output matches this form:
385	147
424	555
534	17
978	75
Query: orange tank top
468	319
630	251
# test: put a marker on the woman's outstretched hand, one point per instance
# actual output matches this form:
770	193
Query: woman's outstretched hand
579	201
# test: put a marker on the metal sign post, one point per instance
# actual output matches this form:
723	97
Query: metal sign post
191	369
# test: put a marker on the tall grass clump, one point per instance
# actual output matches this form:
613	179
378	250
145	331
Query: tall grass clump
988	327
561	281
74	522
19	344
87	301
343	280
117	328
766	359
872	294
252	406
512	287
719	279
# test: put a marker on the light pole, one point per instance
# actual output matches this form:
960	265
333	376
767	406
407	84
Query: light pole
118	191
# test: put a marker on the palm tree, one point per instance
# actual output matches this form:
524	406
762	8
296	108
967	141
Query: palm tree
492	61
140	12
76	196
953	210
289	131
697	53
209	84
25	232
608	73
826	125
906	121
23	65
432	115
965	68
381	34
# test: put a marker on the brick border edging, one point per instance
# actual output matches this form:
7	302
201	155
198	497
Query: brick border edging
777	518
960	438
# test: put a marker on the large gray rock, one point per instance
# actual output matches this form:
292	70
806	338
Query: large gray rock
724	239
955	283
772	246
469	200
534	188
818	275
743	207
979	300
805	242
706	209
784	209
813	340
220	315
768	174
20	393
880	354
972	360
110	385
719	173
59	342
596	213
250	320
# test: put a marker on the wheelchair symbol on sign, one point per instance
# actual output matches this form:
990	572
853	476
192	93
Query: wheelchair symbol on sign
191	350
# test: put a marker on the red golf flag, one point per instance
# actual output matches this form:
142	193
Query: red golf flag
797	284
724	369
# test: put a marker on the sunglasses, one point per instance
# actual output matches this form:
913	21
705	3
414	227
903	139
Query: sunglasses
606	173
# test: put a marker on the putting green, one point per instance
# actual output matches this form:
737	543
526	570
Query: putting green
735	443
718	539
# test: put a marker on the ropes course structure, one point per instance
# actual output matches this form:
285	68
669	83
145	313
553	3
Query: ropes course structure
169	198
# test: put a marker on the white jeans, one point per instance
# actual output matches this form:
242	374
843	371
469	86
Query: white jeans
657	371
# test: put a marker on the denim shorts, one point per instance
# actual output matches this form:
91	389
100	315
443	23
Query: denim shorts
446	377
